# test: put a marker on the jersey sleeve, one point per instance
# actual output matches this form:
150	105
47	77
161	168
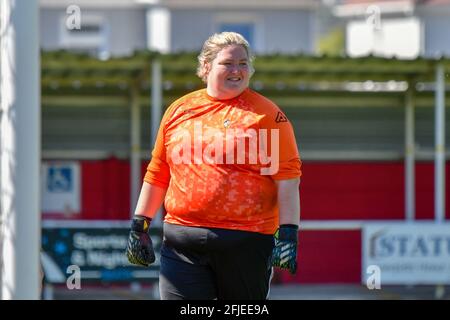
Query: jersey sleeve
158	171
289	163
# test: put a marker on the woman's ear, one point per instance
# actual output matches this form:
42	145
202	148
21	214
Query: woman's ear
206	68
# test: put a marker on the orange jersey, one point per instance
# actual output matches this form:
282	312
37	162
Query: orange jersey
219	160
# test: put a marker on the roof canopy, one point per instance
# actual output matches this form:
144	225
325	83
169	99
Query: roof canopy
68	71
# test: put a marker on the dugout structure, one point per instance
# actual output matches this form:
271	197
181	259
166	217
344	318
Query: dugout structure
124	98
370	130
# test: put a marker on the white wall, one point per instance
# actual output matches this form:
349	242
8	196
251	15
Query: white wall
126	28
276	30
288	31
399	37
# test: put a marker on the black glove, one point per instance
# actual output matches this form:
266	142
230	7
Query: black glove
284	255
140	248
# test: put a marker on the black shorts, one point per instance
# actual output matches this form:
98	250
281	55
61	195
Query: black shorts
208	263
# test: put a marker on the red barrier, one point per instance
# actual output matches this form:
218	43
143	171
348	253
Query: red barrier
365	190
327	257
336	190
329	190
105	189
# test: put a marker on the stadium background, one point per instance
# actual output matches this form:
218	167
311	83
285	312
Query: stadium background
348	114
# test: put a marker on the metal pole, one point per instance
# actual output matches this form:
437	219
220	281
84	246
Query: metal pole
439	164
156	105
410	155
20	150
135	152
156	113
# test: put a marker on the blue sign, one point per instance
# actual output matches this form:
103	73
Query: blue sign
60	179
99	252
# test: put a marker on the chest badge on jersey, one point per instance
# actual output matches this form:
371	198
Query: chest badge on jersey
226	123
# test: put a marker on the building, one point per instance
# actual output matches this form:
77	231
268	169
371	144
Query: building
114	28
401	28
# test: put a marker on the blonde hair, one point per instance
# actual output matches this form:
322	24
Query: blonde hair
217	42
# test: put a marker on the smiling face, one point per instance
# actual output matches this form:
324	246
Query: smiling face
229	73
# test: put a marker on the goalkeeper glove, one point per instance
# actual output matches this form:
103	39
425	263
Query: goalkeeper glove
284	254
140	247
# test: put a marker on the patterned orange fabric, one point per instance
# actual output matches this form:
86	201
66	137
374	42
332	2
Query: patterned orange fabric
219	160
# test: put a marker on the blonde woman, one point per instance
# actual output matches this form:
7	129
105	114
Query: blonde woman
227	168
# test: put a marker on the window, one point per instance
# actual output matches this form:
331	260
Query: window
246	29
249	25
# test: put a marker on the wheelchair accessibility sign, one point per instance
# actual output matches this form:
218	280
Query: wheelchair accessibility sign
60	179
61	187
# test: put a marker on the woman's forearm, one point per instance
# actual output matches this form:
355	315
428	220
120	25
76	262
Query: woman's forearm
288	201
150	200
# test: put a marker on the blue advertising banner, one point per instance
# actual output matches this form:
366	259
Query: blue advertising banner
96	248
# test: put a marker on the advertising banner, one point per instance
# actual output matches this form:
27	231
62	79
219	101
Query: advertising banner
407	253
96	248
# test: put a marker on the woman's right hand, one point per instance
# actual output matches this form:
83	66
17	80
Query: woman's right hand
140	247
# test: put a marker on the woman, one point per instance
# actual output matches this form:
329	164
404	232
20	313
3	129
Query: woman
226	164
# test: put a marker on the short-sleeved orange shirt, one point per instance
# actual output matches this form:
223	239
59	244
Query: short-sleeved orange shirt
219	160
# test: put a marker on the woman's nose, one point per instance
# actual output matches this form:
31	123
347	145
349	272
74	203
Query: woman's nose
234	68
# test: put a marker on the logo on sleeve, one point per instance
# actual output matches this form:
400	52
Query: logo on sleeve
280	118
187	111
